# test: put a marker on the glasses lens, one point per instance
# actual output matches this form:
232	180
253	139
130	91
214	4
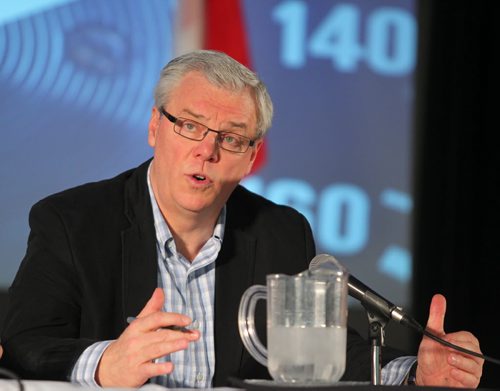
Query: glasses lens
233	142
190	129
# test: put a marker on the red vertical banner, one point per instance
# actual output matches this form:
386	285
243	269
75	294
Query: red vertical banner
225	31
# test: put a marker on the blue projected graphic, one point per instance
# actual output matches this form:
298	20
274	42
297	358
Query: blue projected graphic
77	80
338	37
340	142
89	54
13	11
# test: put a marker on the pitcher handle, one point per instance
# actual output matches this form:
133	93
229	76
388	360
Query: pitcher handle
246	322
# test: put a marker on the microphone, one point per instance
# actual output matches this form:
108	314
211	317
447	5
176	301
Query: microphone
371	300
374	302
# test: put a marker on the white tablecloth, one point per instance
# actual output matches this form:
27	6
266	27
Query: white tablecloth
41	385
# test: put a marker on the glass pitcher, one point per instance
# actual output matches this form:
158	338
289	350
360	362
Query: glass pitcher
306	325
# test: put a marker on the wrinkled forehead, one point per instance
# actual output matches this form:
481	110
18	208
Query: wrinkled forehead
198	98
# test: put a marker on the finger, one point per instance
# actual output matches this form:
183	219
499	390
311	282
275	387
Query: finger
465	361
435	322
158	320
161	349
170	335
154	304
150	369
466	379
467	341
464	338
148	346
469	347
469	364
138	343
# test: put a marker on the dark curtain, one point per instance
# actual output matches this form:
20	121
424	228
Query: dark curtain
456	213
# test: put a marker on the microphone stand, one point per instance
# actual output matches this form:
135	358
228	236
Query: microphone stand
376	334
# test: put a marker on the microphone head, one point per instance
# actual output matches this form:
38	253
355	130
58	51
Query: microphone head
327	262
320	259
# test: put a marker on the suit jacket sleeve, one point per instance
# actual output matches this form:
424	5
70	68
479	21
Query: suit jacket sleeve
90	263
41	331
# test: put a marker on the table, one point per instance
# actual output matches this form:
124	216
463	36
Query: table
48	385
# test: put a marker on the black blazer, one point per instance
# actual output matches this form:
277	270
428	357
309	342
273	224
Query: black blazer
91	262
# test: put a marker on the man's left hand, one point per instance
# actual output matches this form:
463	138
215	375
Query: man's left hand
439	365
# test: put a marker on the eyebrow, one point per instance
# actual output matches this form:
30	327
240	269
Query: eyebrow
232	124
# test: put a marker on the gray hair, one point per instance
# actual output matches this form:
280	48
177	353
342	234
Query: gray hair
222	71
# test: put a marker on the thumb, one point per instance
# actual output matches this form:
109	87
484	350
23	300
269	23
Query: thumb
437	310
154	304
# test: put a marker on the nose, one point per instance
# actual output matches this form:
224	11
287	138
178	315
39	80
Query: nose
208	148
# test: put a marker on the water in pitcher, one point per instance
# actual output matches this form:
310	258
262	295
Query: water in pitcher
292	357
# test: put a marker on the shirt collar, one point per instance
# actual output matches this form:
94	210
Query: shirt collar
163	233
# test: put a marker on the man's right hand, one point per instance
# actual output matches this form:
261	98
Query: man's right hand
129	361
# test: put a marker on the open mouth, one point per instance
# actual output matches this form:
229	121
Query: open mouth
199	178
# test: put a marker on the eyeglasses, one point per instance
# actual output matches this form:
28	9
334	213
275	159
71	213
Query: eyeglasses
193	130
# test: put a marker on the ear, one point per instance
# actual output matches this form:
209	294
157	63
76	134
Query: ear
254	151
154	124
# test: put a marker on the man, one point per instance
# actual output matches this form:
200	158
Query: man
175	242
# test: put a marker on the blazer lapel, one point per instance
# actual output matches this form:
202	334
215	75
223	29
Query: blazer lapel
234	273
139	255
139	270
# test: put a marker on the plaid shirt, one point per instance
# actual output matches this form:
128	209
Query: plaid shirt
189	289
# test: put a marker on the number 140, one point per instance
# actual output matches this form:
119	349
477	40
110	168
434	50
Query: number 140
388	48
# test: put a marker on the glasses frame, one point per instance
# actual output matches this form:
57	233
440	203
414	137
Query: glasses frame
174	120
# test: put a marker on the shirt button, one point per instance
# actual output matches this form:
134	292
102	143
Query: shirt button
199	377
195	325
